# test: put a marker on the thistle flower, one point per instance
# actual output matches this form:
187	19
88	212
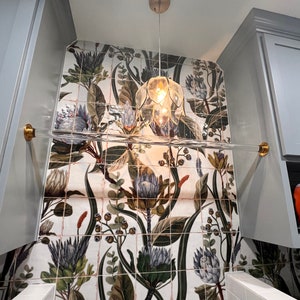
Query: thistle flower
207	265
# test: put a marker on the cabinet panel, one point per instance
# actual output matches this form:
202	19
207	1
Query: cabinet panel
283	60
261	70
35	94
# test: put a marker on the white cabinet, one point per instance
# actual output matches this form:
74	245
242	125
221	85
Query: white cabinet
261	68
34	35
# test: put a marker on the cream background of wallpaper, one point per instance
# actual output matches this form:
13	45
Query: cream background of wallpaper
65	227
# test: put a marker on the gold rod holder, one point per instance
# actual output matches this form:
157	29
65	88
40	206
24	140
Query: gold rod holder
263	149
29	132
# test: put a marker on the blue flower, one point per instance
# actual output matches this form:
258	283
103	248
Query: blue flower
196	86
68	254
147	190
207	265
128	118
69	120
156	265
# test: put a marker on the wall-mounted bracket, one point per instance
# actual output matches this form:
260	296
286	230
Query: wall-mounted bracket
29	132
263	149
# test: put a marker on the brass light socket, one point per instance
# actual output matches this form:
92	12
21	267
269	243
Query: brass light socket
159	6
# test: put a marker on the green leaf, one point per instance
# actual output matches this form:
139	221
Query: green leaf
27	269
136	218
168	231
123	287
109	280
93	205
206	243
29	275
128	92
100	272
189	129
46	277
63	209
201	191
75	295
206	291
60	160
111	154
61	285
136	167
96	105
217	118
257	273
198	107
181	262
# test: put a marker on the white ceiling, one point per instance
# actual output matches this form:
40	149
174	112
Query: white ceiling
192	28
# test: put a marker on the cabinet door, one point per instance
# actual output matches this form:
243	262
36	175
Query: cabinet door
33	87
283	62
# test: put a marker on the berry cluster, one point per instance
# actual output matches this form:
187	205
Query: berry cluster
170	160
113	231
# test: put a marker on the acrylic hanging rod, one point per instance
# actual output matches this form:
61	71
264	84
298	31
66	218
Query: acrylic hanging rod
30	133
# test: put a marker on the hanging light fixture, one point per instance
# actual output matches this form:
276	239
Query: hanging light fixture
160	99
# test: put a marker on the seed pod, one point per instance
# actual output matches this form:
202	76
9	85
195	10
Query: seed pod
107	216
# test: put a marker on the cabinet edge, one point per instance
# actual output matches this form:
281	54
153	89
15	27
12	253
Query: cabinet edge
259	21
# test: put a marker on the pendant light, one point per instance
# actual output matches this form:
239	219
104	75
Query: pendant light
160	99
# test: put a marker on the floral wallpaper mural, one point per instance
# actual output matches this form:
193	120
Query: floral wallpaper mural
133	210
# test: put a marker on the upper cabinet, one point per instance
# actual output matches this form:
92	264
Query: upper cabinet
282	57
34	36
261	68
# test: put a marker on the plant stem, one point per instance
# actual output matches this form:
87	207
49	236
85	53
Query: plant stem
148	247
150	294
220	290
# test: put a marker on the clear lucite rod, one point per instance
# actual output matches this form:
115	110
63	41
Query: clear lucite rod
30	132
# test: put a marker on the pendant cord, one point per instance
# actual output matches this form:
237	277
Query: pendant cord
159	60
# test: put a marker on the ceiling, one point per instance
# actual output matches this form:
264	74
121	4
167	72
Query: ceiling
191	28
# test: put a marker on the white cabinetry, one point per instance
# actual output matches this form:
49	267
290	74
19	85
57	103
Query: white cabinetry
262	77
34	35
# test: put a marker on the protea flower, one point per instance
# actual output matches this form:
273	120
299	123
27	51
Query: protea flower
128	119
56	184
196	86
69	269
69	119
69	255
147	189
207	265
156	265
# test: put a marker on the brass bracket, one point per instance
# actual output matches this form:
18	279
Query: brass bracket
29	132
263	149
